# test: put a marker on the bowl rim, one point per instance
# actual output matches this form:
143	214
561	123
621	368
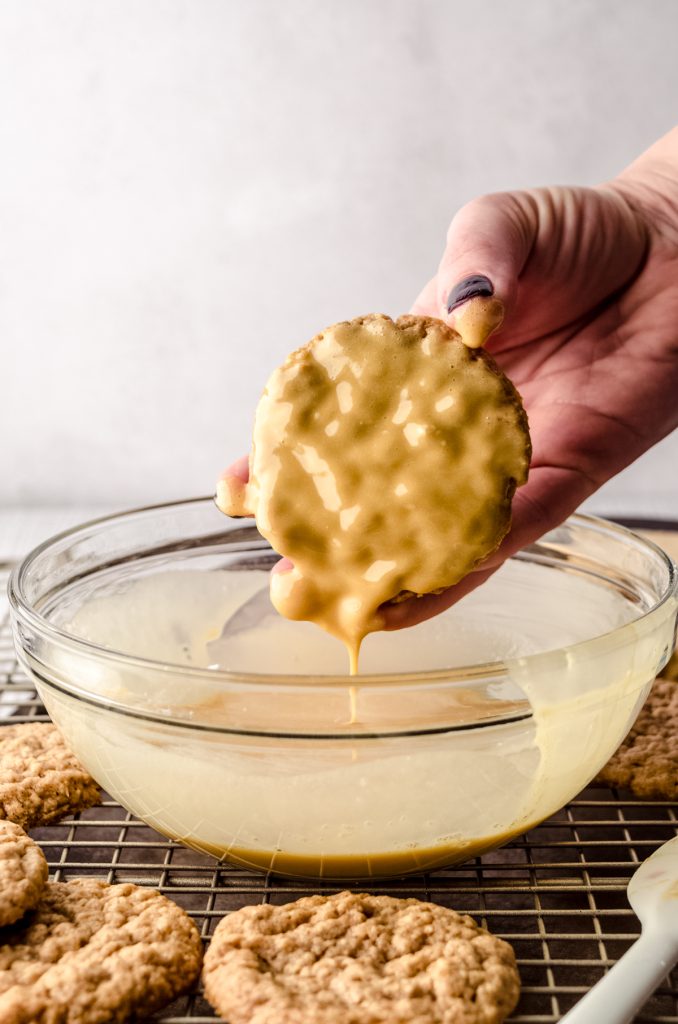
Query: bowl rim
22	609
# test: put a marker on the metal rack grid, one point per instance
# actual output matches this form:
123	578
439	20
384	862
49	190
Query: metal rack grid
556	894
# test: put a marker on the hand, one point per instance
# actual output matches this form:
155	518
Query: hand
589	279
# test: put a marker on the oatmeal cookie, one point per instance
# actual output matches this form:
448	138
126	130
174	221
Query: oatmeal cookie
92	952
647	761
23	872
41	780
358	959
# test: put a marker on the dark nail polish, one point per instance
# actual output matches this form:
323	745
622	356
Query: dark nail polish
469	288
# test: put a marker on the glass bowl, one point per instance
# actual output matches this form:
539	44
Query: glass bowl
459	734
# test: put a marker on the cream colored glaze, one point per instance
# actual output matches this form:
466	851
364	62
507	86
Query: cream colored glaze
349	800
384	460
334	867
476	320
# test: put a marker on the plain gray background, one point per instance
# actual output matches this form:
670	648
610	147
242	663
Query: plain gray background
188	190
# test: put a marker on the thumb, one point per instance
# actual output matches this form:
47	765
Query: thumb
488	243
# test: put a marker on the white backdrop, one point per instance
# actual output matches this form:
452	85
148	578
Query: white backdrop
190	188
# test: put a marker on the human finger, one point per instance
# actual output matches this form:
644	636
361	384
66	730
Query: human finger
488	243
231	487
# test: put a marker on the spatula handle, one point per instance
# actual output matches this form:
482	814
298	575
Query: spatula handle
617	997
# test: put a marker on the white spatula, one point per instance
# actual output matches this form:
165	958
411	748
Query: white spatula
653	894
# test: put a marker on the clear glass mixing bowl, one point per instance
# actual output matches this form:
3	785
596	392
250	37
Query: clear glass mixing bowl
460	733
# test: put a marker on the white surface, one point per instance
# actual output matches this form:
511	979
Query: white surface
190	189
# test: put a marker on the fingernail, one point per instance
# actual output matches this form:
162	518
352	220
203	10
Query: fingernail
469	288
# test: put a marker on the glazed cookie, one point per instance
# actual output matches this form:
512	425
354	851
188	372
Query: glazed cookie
358	959
94	952
647	761
384	459
41	780
23	872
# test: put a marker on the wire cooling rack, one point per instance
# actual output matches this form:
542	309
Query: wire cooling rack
557	894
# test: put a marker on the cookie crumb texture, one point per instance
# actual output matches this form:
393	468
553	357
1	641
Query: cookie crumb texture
358	959
93	952
23	872
647	761
41	780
